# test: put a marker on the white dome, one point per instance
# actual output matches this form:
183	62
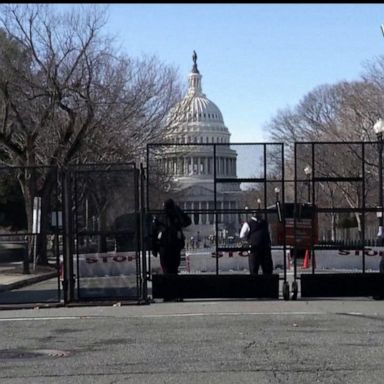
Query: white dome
196	115
197	120
198	108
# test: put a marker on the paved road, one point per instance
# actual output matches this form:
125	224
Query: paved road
226	342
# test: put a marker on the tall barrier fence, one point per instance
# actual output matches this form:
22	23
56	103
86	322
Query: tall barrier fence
83	233
31	235
339	179
103	252
219	186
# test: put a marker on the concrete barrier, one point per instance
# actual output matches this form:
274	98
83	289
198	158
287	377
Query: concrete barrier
13	251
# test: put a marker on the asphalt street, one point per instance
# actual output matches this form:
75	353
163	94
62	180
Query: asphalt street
196	341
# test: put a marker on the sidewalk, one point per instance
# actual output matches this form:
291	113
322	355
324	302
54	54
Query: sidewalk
12	277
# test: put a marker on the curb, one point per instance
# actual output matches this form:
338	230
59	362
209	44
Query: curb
27	281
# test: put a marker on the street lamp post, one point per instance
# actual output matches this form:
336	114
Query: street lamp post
277	191
379	129
258	203
308	171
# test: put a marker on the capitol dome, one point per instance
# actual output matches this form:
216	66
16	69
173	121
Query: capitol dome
195	118
200	108
197	153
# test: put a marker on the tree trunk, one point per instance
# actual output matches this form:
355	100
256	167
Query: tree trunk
41	238
357	215
45	191
29	212
333	226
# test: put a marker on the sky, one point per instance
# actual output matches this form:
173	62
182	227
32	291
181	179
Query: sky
256	59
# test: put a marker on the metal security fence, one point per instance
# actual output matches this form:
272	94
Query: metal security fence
338	184
30	234
71	234
102	253
84	231
219	186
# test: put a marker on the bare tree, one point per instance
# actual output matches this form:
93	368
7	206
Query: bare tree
342	112
66	96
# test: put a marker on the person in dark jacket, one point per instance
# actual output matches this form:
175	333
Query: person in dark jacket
256	232
167	236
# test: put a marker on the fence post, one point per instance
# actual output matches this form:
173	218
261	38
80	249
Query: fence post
68	282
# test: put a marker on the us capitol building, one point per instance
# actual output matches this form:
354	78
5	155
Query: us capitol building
197	121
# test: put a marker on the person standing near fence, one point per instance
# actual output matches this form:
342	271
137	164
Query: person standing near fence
167	236
256	232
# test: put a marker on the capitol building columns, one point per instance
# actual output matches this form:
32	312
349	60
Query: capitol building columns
199	165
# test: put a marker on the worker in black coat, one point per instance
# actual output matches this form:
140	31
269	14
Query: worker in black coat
167	236
256	232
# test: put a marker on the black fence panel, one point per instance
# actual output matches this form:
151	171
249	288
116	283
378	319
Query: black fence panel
219	186
215	286
104	226
342	284
338	181
31	235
